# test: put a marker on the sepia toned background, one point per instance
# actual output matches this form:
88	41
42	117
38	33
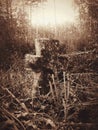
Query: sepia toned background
48	64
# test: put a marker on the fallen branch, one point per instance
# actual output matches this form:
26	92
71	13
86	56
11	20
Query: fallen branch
77	53
80	124
82	104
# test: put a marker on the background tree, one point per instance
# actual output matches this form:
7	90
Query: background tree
88	22
14	30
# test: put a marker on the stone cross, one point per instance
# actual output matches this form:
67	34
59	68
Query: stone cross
32	59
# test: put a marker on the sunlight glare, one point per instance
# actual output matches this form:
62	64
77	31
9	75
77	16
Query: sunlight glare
51	13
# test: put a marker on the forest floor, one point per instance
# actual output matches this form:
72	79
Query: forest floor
70	104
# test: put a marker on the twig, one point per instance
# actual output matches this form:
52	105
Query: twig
65	97
80	124
8	113
65	108
55	87
83	104
51	90
68	86
65	94
13	96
